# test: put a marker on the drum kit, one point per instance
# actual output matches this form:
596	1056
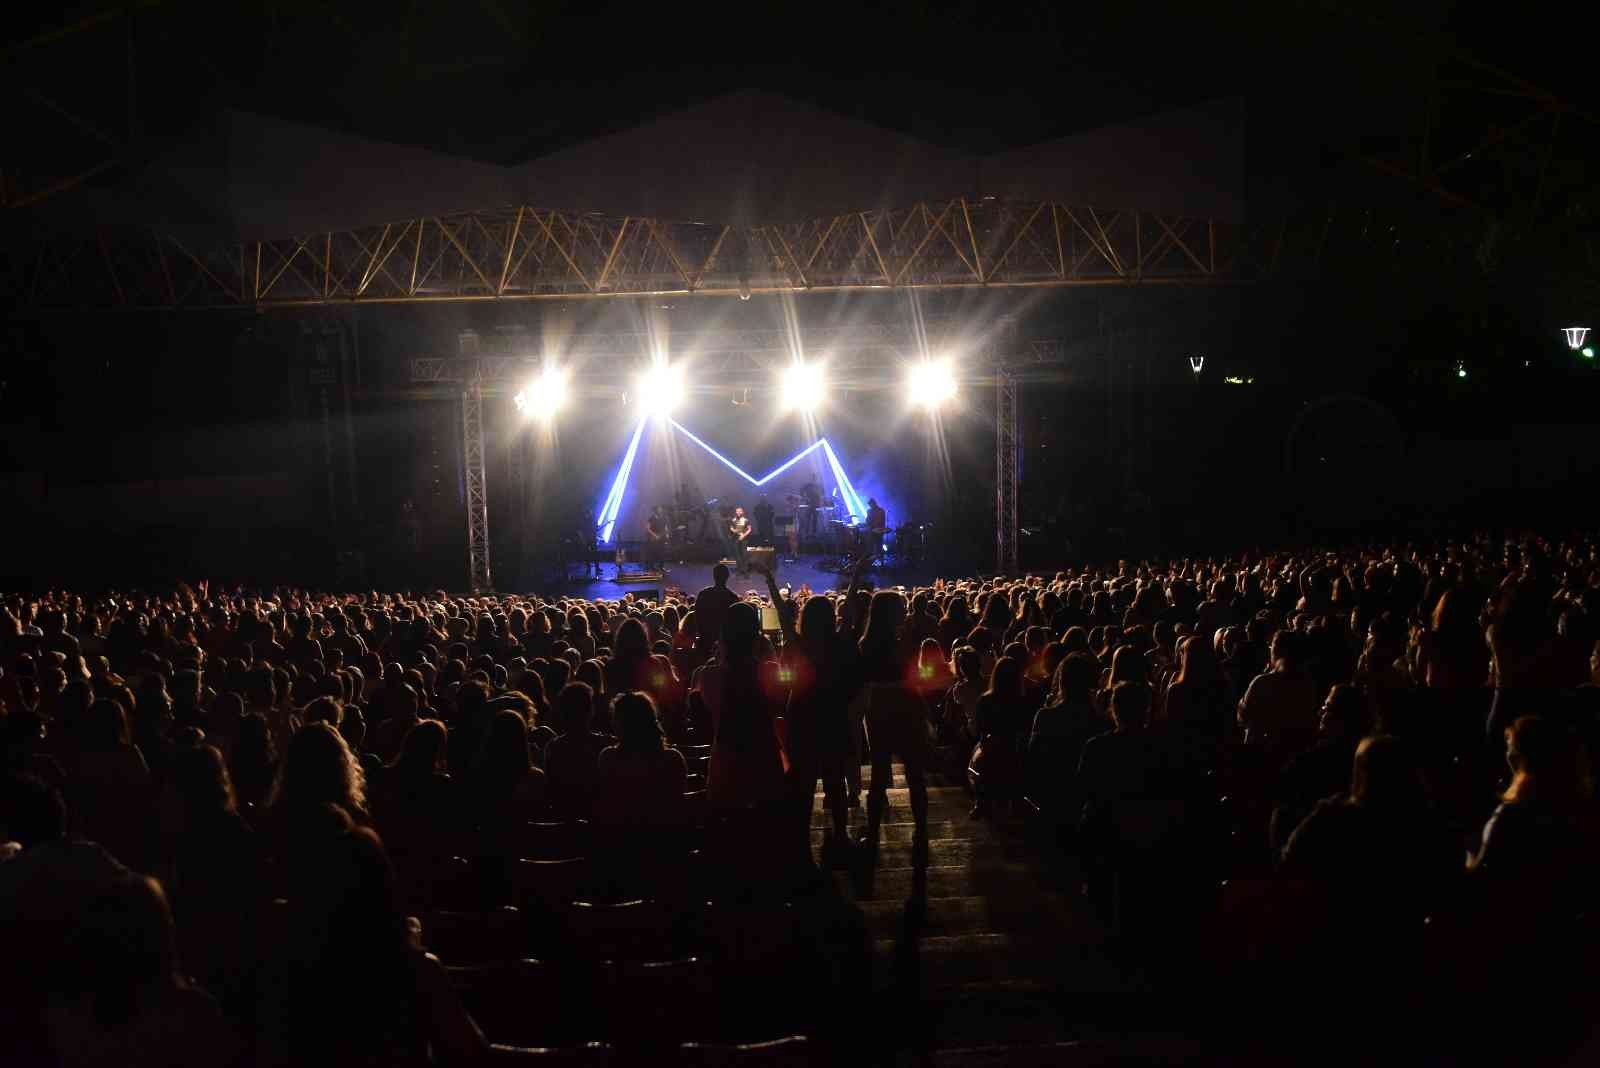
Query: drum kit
899	547
695	526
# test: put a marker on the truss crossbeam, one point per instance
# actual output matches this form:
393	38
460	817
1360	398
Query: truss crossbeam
525	253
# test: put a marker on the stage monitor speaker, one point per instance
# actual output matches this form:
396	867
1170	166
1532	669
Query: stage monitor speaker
637	576
765	555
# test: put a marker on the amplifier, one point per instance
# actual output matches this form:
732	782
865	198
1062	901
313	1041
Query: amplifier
765	555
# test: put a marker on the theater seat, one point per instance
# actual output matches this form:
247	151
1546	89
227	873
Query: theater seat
667	1000
696	808
634	930
427	882
589	1055
474	937
554	839
532	1003
791	1052
550	883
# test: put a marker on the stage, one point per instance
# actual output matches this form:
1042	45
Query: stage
809	569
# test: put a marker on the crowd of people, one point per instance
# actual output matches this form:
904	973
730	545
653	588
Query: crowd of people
221	804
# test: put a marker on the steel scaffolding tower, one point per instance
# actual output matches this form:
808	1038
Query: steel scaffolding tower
477	481
1006	444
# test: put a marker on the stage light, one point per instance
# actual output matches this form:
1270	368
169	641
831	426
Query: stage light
800	387
1461	370
1588	352
931	383
544	396
1575	336
660	388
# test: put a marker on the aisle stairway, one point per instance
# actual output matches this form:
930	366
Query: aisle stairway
1000	951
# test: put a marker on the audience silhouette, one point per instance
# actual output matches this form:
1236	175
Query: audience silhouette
259	824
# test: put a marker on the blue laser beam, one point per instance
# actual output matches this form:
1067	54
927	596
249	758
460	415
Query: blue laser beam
858	511
607	517
735	468
741	472
796	458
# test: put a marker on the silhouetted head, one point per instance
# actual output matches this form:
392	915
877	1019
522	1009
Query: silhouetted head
1130	706
1546	762
320	769
634	716
1006	678
1385	774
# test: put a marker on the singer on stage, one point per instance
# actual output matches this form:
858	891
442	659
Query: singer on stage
738	532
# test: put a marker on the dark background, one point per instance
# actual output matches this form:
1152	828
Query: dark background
146	446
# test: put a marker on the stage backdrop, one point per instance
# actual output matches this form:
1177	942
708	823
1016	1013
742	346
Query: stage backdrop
862	447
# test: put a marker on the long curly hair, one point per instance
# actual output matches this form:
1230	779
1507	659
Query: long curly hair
319	769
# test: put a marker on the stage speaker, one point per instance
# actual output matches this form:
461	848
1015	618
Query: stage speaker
765	555
637	576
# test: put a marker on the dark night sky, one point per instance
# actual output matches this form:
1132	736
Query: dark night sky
505	81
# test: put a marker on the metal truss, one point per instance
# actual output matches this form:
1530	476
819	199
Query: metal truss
1498	145
523	253
1006	445
477	487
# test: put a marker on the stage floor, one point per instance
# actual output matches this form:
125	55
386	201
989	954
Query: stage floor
693	577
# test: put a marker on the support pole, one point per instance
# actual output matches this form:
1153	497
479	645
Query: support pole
477	483
1005	469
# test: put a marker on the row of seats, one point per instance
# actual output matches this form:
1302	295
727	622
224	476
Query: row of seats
748	935
792	1051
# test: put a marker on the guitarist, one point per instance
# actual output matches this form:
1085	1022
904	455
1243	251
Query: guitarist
738	531
655	538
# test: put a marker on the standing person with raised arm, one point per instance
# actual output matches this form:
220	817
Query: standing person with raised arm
819	673
896	721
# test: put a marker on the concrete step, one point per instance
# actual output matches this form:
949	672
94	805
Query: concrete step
967	964
1025	1052
1002	954
1020	1011
896	883
900	832
970	914
951	798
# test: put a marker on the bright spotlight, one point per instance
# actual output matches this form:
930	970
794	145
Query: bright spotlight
660	389
1575	336
544	396
800	388
931	383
